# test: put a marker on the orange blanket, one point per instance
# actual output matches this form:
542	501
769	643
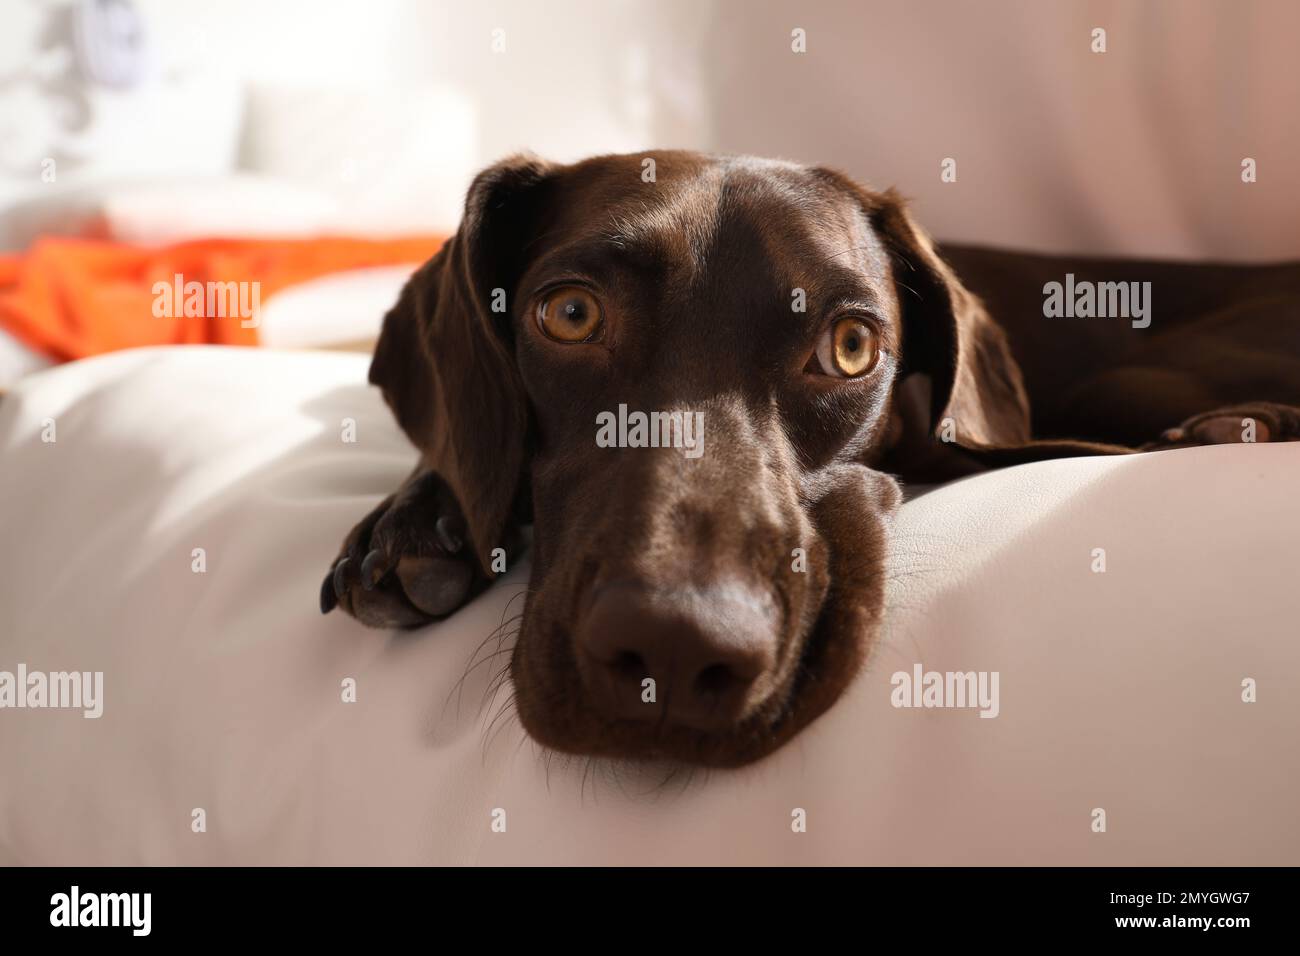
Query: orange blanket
70	298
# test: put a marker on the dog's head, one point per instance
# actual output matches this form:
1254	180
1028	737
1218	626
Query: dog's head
685	370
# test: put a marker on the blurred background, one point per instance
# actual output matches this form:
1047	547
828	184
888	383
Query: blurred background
162	121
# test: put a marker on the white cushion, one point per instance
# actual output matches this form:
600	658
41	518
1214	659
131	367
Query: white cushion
187	124
222	689
341	307
163	210
399	160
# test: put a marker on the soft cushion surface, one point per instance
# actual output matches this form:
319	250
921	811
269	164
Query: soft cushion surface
223	688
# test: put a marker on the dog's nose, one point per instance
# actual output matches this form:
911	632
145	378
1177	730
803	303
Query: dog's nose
701	659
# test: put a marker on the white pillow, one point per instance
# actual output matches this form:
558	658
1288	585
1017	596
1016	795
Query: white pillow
174	209
243	205
342	307
400	161
185	125
223	684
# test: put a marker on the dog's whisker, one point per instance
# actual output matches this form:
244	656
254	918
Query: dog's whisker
500	720
457	689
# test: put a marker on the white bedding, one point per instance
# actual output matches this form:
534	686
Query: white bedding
222	689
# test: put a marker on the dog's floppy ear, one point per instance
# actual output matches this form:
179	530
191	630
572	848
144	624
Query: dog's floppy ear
445	358
978	399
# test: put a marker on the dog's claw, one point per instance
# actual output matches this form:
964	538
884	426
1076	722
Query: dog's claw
408	561
451	535
328	600
341	578
368	578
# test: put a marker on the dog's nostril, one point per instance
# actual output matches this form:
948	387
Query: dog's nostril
679	659
629	665
715	680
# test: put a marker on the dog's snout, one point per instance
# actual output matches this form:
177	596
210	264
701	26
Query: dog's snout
701	659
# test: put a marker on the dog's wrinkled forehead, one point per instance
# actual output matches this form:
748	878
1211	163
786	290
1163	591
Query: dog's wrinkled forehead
700	220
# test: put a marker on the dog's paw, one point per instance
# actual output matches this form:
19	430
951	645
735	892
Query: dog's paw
1247	423
407	562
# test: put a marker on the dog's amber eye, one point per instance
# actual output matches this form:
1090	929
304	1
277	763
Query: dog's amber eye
570	314
849	348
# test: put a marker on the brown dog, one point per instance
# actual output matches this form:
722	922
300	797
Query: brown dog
703	602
